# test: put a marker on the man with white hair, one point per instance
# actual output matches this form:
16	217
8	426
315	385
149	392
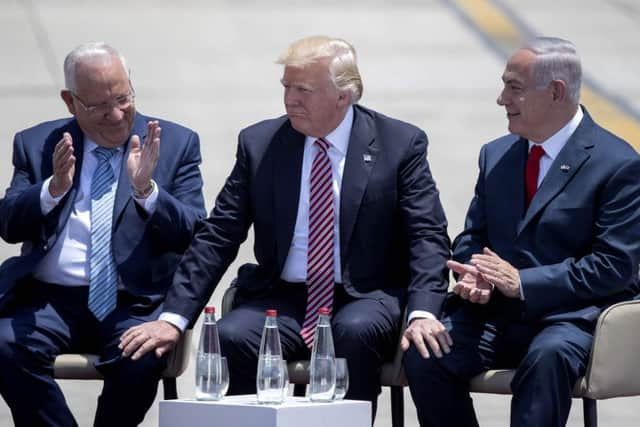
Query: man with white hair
346	215
552	237
103	211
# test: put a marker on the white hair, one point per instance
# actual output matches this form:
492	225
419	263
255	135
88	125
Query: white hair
556	59
91	51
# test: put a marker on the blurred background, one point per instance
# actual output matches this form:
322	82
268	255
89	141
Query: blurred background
209	64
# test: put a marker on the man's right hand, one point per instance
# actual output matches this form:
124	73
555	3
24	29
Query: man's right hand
64	166
470	285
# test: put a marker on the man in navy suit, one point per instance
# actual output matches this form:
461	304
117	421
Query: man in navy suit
386	235
98	249
552	237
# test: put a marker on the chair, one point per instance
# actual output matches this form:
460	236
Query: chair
392	374
612	370
80	366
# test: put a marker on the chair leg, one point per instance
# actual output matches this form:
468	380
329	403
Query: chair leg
590	412
299	390
397	406
170	388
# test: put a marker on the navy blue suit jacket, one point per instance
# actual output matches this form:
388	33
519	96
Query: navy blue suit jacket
146	248
392	226
577	246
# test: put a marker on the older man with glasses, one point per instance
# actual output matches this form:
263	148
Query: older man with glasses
103	211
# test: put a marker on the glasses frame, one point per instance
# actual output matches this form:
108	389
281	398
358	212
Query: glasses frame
107	106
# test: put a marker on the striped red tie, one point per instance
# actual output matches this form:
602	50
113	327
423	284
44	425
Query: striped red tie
320	247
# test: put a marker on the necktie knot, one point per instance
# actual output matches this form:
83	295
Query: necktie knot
536	152
322	144
104	154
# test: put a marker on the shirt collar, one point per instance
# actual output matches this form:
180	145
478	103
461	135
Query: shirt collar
339	137
90	145
556	142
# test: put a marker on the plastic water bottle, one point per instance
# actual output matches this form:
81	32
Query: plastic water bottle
270	376
322	372
208	365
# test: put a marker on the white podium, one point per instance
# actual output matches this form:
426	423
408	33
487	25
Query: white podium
245	411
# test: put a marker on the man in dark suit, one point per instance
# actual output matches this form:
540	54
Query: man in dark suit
552	237
103	221
379	224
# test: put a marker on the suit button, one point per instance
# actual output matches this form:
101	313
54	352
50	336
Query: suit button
45	247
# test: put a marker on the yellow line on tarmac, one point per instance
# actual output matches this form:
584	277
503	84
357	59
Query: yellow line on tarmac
507	35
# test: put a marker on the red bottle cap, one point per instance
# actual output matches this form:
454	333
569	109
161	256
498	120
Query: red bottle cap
209	309
272	313
324	310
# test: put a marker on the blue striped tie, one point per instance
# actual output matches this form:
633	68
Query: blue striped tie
103	282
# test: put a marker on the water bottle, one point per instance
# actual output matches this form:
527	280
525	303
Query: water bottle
208	365
270	376
322	372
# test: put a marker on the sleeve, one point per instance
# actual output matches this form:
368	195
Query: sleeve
612	264
215	244
426	226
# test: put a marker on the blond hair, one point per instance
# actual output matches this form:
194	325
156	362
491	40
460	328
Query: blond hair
343	66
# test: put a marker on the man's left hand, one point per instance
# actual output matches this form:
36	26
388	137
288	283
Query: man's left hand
498	272
158	335
423	332
142	160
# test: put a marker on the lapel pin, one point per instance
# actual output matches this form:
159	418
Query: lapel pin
565	168
367	158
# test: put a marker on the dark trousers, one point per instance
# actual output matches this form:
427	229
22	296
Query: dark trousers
548	358
365	332
45	320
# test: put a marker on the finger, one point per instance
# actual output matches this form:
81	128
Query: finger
442	336
464	291
459	268
404	343
146	347
434	345
418	341
474	295
490	252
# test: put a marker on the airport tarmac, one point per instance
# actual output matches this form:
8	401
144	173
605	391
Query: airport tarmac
209	64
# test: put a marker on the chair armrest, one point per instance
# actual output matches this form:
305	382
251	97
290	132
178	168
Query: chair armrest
228	298
178	359
613	364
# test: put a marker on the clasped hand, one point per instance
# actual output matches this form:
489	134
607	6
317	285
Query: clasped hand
485	271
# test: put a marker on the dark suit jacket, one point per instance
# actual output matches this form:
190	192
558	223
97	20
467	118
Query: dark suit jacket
392	227
146	248
578	245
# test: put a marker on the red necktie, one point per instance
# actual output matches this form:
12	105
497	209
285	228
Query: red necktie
532	171
320	276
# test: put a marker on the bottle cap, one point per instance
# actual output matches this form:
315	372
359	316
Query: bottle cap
209	309
324	310
272	313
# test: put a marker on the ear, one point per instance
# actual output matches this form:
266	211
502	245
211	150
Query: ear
66	96
558	90
344	98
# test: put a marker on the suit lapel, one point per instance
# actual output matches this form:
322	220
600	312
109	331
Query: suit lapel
123	191
288	146
562	170
362	154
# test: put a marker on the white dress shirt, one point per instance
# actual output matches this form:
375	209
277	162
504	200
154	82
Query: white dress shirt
67	261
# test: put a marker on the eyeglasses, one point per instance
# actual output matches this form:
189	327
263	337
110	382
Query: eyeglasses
121	102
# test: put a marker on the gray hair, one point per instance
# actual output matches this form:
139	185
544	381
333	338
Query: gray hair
343	65
92	51
556	59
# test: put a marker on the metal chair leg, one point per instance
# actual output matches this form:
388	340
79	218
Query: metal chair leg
590	412
170	388
397	406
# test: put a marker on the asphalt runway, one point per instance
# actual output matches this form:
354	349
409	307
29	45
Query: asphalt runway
209	64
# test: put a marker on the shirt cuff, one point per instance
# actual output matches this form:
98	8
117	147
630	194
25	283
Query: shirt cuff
47	201
520	288
149	203
420	314
176	320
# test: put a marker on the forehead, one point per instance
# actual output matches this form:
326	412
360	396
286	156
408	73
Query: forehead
520	66
100	74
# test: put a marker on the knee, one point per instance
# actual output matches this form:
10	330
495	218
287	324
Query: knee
548	352
416	366
354	329
148	367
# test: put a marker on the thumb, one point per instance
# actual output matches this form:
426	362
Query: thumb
404	343
457	267
135	142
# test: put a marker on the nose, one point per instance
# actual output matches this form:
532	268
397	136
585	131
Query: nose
501	100
115	114
289	97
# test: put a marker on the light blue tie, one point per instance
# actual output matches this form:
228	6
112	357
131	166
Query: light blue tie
103	281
